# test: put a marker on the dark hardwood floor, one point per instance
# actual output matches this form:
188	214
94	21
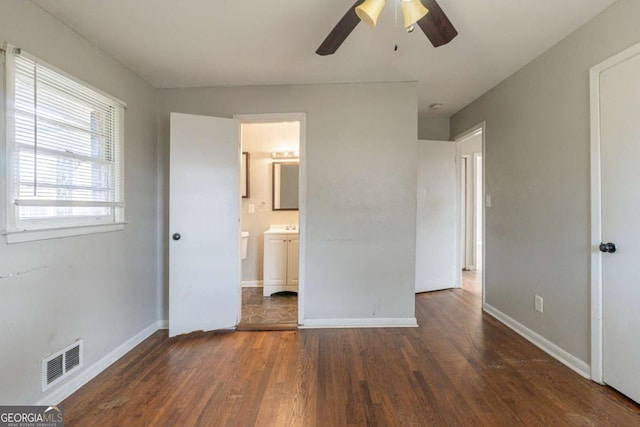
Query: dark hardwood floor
460	367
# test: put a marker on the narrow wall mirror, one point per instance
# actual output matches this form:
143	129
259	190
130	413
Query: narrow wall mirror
285	186
244	175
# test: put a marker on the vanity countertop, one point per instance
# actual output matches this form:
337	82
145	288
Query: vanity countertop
282	229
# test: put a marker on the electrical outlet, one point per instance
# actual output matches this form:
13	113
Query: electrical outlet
539	304
487	201
252	208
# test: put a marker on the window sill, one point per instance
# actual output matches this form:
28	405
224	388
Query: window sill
57	233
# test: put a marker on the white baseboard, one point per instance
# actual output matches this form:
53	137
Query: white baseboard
541	342
391	322
66	389
252	284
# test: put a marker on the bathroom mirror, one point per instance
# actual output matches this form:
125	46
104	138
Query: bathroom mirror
285	186
244	175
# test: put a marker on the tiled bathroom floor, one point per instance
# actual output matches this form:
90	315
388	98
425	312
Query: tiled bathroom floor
280	309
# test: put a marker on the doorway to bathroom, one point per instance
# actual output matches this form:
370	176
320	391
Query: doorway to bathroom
470	148
271	178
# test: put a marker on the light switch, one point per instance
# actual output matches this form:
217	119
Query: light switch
488	201
252	208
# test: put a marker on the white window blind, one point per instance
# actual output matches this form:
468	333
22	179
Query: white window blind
66	148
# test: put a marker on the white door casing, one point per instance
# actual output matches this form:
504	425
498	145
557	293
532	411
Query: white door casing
436	217
470	151
204	264
462	200
618	87
480	259
468	211
478	210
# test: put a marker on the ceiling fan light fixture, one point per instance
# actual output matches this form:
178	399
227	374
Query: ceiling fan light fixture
369	11
412	12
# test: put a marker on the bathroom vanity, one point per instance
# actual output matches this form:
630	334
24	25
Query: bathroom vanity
280	259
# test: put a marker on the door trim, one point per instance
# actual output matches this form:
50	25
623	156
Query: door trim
474	246
466	217
468	211
480	127
302	209
597	342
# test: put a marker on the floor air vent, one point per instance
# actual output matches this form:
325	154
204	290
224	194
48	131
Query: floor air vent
59	365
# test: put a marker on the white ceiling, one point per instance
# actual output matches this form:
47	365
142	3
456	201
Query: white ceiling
191	43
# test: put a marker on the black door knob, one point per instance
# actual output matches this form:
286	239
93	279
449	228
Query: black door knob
608	247
176	236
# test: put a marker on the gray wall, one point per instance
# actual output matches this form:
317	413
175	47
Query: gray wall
361	187
103	287
471	145
433	128
537	172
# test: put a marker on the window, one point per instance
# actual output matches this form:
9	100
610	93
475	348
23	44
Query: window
64	153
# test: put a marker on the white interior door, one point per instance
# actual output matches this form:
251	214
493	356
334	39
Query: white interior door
436	221
620	153
204	223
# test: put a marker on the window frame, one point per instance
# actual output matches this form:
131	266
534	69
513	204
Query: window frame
23	230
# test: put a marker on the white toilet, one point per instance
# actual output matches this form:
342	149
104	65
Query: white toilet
244	243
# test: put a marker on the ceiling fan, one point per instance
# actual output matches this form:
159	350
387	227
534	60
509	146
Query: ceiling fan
426	13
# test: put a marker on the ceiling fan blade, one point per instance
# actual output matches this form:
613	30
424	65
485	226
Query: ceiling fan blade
340	32
436	25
